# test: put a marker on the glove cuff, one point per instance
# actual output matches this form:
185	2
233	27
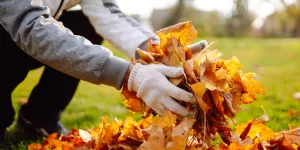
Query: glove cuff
134	78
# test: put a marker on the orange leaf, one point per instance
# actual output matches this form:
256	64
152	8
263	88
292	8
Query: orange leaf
145	56
218	99
35	146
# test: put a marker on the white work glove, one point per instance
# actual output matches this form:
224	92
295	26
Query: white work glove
152	86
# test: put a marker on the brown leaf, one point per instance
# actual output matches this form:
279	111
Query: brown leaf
189	70
292	136
155	141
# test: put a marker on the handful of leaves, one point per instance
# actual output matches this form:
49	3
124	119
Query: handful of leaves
219	84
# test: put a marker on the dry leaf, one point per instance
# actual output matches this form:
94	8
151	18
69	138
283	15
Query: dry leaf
167	120
199	90
156	140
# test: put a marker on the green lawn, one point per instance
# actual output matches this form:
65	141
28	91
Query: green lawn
276	61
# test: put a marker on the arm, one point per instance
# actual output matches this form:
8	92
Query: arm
123	32
43	38
40	36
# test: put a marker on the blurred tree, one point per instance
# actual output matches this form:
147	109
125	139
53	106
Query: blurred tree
293	12
284	23
176	14
240	22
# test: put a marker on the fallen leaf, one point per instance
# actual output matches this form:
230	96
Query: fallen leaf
155	142
199	90
167	120
86	136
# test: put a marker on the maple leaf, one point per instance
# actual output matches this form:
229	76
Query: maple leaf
128	129
155	141
132	102
237	146
174	61
199	90
218	100
145	56
146	122
232	65
35	146
292	136
180	135
176	81
256	128
184	31
251	86
210	72
167	120
188	67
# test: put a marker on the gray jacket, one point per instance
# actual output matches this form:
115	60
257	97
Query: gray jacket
32	27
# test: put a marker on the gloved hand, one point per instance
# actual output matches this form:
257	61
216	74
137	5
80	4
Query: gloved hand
152	86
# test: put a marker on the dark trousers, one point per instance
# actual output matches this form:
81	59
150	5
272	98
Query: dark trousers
54	90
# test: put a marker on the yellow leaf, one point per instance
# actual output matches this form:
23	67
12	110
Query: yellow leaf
199	90
185	31
232	65
221	74
252	86
128	128
176	81
174	61
213	56
257	128
167	120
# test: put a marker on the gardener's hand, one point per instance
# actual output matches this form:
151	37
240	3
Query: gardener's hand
151	84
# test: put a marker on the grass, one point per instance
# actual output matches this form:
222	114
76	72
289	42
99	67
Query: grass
276	61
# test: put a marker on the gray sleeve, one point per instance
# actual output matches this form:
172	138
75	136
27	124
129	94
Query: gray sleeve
43	38
122	31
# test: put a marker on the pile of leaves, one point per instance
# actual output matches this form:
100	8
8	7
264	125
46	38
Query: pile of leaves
164	133
219	86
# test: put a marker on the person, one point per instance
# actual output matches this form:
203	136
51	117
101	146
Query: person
32	37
